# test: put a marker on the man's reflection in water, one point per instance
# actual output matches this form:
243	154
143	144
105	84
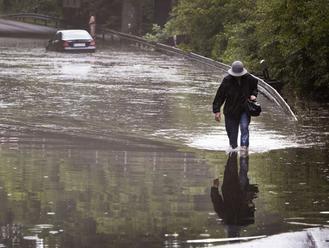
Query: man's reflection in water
235	207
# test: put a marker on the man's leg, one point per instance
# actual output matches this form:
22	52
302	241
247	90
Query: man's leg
244	128
232	130
243	172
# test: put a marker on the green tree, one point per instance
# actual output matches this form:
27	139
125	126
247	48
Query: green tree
199	21
51	7
294	38
291	35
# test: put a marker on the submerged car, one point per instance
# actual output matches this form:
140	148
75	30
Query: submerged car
72	40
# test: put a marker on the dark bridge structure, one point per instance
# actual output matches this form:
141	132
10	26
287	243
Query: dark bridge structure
14	28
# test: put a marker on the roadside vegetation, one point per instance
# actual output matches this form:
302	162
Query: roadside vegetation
292	36
50	7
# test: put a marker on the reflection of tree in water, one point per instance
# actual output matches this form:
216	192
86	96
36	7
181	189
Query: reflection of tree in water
11	235
96	198
235	206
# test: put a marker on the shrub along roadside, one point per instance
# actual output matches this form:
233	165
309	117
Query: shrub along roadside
292	36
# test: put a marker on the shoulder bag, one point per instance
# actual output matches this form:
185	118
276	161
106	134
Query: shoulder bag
254	108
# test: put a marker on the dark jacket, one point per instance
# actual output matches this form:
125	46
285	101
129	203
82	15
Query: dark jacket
235	94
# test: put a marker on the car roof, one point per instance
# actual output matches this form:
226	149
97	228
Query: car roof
74	34
72	31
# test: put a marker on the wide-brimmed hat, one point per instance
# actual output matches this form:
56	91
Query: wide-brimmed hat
237	69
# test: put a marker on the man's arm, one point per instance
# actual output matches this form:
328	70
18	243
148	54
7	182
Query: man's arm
253	88
219	100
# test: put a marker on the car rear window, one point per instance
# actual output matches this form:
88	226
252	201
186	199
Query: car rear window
76	36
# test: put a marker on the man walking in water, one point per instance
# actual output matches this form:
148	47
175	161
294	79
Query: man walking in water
235	89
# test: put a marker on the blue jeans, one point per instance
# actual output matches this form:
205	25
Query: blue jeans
232	130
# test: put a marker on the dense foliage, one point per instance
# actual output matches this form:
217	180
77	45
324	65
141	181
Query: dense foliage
51	7
292	36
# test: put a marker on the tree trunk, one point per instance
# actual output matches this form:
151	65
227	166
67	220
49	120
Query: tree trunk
131	16
162	10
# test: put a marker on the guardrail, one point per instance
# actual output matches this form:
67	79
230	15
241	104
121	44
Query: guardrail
45	19
263	87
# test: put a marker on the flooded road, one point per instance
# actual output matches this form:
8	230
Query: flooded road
119	149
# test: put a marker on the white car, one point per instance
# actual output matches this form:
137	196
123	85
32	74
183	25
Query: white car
72	40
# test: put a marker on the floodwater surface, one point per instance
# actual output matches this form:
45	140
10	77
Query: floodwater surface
119	148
